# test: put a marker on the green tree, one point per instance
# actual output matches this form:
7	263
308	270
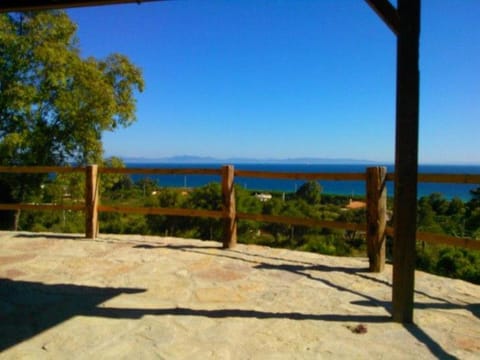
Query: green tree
438	203
473	214
274	207
453	222
114	184
357	216
208	197
472	224
310	192
246	202
54	104
146	186
167	225
475	200
426	220
456	207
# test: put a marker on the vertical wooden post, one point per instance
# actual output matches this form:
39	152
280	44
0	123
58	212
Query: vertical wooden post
229	207
376	217
406	161
91	201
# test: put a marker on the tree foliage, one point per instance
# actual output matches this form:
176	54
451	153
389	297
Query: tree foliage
310	192
56	104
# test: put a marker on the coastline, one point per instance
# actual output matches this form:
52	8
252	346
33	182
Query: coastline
344	188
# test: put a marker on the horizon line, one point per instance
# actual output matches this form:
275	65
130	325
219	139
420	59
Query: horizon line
292	160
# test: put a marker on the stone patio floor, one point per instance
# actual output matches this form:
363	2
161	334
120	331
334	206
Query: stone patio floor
145	297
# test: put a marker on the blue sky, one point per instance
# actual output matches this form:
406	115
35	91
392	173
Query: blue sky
285	79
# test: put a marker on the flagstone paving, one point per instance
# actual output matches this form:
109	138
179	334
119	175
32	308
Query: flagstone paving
145	297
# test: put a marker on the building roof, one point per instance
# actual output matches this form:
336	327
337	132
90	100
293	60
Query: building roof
24	5
354	205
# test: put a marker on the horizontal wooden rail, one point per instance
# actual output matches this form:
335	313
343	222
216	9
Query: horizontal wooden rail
450	178
40	169
444	178
299	176
289	220
448	240
148	171
422	236
440	239
41	207
161	211
434	178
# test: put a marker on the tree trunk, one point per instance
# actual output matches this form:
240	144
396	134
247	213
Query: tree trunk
16	220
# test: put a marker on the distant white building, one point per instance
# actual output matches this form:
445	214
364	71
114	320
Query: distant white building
263	197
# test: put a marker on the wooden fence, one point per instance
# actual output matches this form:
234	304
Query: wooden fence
376	198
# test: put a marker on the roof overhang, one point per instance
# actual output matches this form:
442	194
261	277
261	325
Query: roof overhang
28	5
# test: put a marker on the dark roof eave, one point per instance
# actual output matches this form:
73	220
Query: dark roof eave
26	5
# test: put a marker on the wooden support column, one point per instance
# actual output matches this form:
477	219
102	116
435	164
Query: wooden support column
406	160
229	207
91	201
376	217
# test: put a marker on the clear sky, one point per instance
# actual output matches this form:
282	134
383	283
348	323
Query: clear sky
285	79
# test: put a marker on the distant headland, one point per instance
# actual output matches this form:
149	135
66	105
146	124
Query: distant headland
190	159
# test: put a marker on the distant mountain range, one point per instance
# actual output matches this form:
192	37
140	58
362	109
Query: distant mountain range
190	159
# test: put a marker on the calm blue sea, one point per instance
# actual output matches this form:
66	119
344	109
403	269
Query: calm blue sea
330	187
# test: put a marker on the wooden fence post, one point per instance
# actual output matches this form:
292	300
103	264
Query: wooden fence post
376	217
91	201
406	161
229	207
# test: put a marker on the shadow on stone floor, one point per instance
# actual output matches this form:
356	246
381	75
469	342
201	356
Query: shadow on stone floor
306	269
288	265
29	308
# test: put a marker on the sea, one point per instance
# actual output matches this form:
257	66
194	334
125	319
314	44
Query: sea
349	188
